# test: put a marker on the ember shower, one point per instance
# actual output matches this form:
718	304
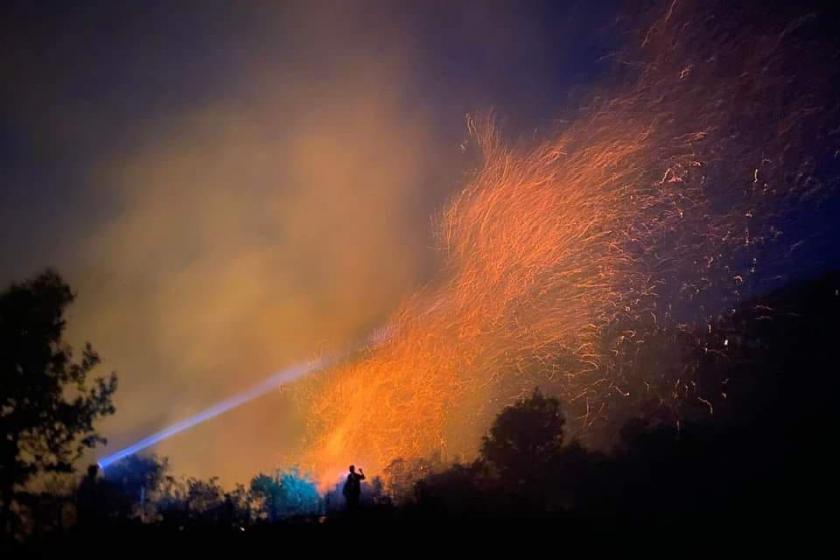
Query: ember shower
671	198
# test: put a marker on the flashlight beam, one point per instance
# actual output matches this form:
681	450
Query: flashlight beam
280	378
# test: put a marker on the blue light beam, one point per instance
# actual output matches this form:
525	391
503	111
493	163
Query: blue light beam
280	378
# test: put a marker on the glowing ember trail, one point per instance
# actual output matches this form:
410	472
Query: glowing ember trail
575	265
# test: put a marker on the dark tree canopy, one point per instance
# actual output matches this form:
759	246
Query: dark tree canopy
525	437
48	403
137	471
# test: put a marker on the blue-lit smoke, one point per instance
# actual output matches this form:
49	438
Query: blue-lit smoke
277	379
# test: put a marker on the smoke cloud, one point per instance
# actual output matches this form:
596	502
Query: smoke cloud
251	234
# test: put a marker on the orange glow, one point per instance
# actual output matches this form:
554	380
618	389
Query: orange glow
563	259
536	249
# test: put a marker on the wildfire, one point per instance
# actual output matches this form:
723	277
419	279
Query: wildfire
570	264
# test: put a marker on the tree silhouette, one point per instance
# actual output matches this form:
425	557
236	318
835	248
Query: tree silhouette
196	503
133	481
48	405
137	472
525	437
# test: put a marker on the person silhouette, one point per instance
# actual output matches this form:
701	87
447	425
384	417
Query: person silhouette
353	488
89	499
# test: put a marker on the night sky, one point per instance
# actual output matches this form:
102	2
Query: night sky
92	82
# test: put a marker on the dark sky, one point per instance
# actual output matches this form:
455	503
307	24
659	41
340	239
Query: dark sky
81	81
231	186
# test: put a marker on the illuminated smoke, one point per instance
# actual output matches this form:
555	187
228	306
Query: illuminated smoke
271	383
575	264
